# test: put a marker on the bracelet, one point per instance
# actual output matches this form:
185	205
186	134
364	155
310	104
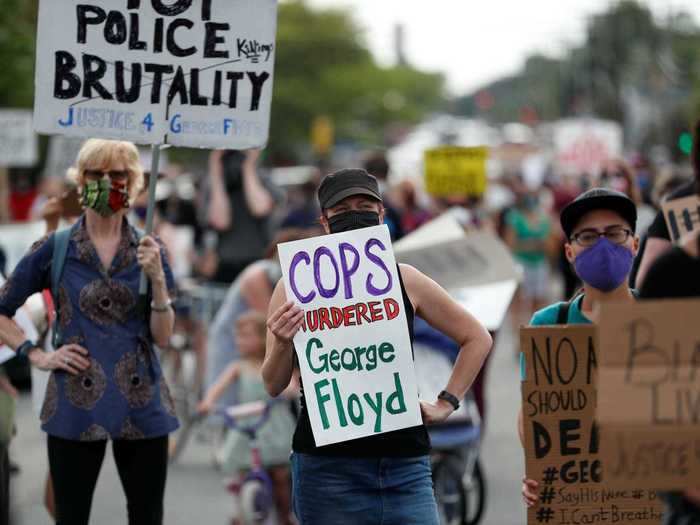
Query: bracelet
452	400
161	308
25	347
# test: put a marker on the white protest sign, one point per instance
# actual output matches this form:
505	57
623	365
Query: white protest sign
186	72
18	145
475	267
354	349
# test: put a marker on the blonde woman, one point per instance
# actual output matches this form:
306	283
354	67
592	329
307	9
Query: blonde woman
106	382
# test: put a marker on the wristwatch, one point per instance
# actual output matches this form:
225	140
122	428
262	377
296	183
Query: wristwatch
452	400
25	347
161	308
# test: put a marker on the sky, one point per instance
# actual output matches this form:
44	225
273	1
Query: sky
475	41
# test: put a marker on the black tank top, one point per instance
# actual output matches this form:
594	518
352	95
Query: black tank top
407	442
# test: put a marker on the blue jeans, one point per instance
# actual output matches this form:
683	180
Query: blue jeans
363	491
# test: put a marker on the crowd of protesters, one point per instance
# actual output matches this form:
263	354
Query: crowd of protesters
217	226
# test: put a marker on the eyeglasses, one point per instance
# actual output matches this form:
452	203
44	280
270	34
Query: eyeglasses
614	234
117	175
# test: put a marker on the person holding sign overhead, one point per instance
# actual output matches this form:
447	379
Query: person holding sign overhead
386	476
677	274
599	226
105	383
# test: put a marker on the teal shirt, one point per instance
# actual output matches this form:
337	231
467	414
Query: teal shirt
548	316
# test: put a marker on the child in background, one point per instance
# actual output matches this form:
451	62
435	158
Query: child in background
275	436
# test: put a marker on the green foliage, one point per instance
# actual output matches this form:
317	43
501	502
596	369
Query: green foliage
628	57
17	41
323	67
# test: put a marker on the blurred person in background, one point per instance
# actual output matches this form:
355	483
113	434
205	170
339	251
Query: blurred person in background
529	235
658	237
619	176
250	292
303	210
412	214
241	202
564	190
676	274
23	191
668	181
377	165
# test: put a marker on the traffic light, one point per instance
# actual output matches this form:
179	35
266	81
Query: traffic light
685	142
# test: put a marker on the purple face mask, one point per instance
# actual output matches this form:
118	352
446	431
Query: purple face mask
605	265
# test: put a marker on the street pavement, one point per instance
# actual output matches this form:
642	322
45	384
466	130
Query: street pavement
195	492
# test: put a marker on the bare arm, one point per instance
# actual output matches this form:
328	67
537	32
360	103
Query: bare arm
259	201
222	382
11	334
654	248
435	305
219	216
284	320
149	257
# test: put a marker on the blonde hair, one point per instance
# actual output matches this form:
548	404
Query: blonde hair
255	319
101	153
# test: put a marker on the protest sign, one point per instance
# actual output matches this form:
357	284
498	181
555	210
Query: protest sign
454	170
18	145
475	267
63	153
561	438
180	72
584	145
354	348
649	404
682	217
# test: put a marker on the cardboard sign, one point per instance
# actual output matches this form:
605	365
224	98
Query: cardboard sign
354	348
682	217
150	71
18	144
454	170
649	405
562	440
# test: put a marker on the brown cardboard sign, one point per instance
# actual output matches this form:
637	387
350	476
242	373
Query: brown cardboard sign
649	404
682	217
562	440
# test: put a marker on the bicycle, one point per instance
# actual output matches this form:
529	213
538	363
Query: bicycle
181	367
253	492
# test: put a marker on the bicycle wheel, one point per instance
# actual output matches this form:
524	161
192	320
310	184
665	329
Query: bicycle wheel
475	496
450	493
255	502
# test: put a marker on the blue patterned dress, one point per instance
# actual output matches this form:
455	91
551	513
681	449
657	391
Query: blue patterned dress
123	394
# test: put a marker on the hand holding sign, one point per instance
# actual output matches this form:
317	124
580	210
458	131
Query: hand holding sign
285	322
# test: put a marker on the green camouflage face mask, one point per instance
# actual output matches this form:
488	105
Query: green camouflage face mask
105	197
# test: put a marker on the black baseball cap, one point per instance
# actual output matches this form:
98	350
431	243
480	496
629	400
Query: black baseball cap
345	183
598	199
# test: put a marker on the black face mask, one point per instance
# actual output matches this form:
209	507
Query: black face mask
353	220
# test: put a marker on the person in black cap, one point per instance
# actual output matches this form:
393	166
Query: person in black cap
599	226
386	477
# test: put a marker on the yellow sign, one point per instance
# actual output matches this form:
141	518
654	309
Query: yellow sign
322	133
454	170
